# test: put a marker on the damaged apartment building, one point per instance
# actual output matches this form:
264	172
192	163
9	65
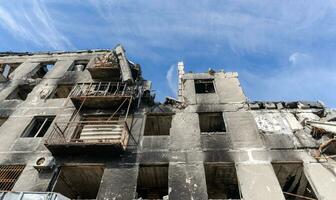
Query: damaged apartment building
85	125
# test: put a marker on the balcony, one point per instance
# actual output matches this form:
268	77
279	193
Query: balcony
102	94
89	137
113	66
106	68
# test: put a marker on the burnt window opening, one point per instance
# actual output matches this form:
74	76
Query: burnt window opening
38	126
21	92
152	181
204	86
221	181
211	122
79	182
293	181
3	120
43	69
158	124
7	69
62	91
9	174
79	65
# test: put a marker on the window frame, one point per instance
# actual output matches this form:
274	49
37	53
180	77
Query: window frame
221	114
205	81
31	125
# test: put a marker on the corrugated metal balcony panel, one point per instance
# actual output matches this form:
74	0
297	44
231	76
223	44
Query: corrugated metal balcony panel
102	133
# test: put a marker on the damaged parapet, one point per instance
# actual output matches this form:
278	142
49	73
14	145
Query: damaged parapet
115	66
180	68
303	124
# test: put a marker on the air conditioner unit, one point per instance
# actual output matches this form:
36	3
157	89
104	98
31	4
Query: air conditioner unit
44	163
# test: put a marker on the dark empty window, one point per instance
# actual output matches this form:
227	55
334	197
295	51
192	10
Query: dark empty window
21	92
79	65
43	69
79	182
62	91
7	69
3	120
152	181
38	126
293	181
211	122
158	124
9	174
204	86
221	181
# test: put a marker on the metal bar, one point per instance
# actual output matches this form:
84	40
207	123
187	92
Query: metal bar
95	94
128	108
10	174
116	110
38	132
85	122
123	92
108	86
129	133
61	132
116	89
302	197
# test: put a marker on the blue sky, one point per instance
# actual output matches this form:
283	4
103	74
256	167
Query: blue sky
282	50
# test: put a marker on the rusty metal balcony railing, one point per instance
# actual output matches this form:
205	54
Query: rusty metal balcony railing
114	133
101	89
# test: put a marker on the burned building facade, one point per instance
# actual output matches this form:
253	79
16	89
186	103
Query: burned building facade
84	125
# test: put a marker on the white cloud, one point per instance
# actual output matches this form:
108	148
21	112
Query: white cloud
309	79
296	57
32	22
171	78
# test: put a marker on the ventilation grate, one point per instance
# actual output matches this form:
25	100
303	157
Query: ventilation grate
9	175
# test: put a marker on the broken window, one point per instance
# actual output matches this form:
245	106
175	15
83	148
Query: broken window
43	69
9	174
21	92
158	124
152	181
221	181
38	126
204	86
79	182
7	69
293	181
63	91
79	65
211	122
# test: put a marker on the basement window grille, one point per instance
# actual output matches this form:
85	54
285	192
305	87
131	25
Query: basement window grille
204	86
38	126
211	122
9	174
